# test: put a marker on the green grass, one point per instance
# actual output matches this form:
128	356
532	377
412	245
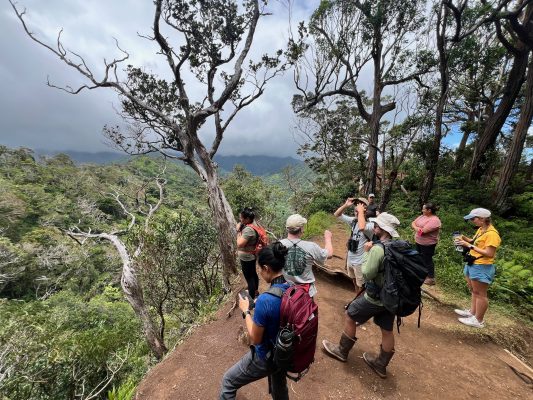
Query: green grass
317	224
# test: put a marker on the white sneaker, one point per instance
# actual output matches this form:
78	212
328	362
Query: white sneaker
463	313
472	321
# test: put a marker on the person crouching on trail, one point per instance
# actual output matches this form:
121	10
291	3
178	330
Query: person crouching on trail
303	254
361	232
263	329
365	307
246	241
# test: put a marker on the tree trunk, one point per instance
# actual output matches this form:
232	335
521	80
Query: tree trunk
495	123
460	152
529	173
433	158
134	296
382	182
517	142
225	225
372	163
387	192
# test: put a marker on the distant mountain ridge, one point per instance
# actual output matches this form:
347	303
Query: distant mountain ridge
257	165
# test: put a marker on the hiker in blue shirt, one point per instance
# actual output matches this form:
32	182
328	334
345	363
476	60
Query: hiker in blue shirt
263	329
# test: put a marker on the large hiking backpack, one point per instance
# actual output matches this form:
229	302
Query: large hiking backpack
404	274
261	238
294	350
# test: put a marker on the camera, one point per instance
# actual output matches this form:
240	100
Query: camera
353	245
468	258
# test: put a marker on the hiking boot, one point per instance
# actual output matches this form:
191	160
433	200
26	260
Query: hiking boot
340	351
472	321
379	363
463	313
429	281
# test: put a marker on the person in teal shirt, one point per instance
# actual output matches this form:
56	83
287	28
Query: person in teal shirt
369	306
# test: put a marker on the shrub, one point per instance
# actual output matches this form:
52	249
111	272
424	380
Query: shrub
317	223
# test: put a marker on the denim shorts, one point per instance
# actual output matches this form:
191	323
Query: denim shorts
480	272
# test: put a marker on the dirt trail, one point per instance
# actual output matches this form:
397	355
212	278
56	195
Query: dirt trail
435	361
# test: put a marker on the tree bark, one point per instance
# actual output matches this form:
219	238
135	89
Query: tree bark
460	152
517	142
134	296
225	225
529	173
515	79
434	153
221	211
375	117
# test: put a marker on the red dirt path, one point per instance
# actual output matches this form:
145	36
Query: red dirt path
433	362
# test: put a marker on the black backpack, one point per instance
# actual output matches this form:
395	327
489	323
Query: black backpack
404	273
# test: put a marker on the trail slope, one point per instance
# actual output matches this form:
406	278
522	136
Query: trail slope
435	361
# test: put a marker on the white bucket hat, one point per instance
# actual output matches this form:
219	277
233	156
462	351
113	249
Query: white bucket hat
387	222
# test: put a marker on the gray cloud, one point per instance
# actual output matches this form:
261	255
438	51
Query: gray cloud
37	116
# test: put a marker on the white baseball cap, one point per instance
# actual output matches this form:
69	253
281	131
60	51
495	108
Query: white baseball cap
371	195
387	222
295	221
478	212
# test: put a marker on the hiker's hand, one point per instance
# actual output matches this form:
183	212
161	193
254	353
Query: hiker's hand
328	234
349	201
360	207
244	303
368	245
463	243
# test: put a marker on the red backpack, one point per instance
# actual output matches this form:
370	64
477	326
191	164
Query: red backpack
294	350
261	238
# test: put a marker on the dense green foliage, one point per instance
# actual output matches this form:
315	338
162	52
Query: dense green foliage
59	347
67	330
514	261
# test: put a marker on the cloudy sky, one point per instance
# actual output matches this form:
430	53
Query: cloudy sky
39	117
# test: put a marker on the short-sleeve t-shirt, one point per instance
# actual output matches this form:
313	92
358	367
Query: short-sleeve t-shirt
267	314
357	257
431	223
371	210
490	237
299	262
251	236
372	263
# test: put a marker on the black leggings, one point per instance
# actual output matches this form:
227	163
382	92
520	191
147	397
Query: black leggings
250	274
427	253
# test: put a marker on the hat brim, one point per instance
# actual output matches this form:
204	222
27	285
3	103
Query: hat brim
469	216
393	232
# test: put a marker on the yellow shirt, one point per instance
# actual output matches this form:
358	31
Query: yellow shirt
482	240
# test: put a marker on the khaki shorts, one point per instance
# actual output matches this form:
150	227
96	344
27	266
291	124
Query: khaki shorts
355	272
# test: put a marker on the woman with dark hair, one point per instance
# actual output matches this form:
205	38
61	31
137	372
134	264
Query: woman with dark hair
427	228
262	329
246	240
479	269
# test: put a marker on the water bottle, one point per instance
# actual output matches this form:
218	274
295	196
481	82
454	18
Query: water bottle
457	236
284	349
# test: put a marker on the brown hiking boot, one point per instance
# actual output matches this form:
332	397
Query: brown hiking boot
379	363
340	351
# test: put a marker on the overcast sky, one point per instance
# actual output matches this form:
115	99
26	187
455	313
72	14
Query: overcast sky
39	117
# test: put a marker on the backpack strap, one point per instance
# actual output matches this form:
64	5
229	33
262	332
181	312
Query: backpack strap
255	230
275	291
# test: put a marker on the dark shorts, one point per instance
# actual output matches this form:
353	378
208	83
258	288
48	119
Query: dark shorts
361	310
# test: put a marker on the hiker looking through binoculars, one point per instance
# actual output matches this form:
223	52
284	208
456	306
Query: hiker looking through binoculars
361	233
